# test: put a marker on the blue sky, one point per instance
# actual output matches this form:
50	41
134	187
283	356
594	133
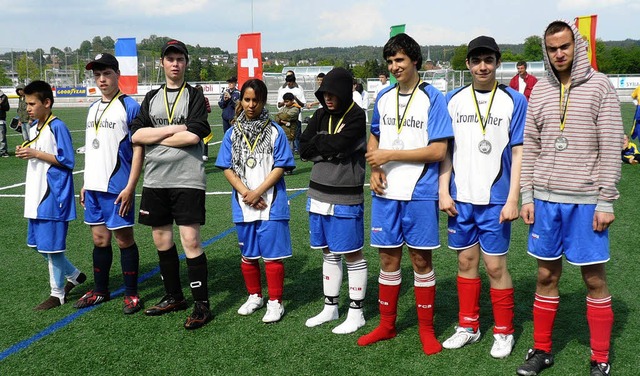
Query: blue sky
34	24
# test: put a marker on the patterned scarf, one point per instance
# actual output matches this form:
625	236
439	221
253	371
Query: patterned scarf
248	131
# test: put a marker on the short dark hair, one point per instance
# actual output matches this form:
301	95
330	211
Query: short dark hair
320	75
288	97
259	88
521	63
405	44
556	27
41	90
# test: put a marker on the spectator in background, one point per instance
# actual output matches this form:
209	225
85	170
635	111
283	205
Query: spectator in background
384	82
287	118
228	100
357	97
365	100
4	107
630	153
205	141
635	94
523	81
290	86
24	122
319	79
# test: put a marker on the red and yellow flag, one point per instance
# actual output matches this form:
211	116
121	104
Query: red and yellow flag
587	27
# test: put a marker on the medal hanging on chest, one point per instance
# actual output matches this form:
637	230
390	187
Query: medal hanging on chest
97	120
398	144
252	161
561	143
484	146
95	143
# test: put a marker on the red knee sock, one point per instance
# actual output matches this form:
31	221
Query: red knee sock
600	319
544	314
251	273
425	301
275	279
388	303
469	302
502	302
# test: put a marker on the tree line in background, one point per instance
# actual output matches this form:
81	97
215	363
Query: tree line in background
614	57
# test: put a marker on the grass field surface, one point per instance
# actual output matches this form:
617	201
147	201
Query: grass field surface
101	340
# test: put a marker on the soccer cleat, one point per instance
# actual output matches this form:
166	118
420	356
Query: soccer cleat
462	336
328	313
535	362
199	317
275	310
50	302
205	158
167	304
253	303
600	369
355	320
91	298
71	284
132	304
502	345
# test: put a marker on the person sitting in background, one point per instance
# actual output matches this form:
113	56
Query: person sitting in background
287	118
630	153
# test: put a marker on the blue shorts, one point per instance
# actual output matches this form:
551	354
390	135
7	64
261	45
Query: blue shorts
340	235
567	228
100	209
479	223
47	236
270	240
394	223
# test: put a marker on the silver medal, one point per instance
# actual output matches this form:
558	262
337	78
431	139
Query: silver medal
95	143
484	146
561	143
397	144
251	162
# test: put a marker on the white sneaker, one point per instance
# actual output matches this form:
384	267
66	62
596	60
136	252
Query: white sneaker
275	310
205	158
81	150
253	303
355	320
461	337
328	313
502	345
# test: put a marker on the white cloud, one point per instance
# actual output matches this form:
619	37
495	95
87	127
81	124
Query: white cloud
586	5
146	8
357	24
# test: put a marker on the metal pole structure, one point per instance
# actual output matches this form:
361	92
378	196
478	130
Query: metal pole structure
252	16
26	65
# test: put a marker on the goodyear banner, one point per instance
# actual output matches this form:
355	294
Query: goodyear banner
70	91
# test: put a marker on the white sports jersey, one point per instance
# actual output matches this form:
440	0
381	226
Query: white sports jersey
48	190
484	178
426	120
109	152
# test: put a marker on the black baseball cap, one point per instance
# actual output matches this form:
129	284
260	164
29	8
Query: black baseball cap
485	43
233	79
104	59
176	45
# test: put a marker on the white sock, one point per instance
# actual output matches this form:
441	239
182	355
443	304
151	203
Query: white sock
328	313
331	274
355	320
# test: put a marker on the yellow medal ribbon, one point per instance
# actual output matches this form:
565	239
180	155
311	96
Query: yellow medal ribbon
341	119
401	119
483	121
255	142
99	120
173	106
39	129
564	98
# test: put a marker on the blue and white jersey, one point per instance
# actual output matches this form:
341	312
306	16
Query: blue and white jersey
426	120
49	189
276	196
480	178
108	150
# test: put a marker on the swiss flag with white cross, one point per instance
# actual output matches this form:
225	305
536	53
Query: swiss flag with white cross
249	57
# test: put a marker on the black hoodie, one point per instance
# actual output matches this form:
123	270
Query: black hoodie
337	176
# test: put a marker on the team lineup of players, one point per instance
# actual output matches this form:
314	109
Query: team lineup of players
471	154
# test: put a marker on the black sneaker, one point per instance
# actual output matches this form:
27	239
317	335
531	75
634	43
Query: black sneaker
535	362
132	304
199	317
70	285
600	369
167	304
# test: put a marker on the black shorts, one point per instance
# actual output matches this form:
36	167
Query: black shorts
161	206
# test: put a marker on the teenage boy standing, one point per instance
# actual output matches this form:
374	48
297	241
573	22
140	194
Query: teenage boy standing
171	125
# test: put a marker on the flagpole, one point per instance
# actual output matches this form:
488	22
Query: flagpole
252	16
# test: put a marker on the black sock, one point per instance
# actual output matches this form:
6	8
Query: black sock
198	273
102	259
130	261
170	271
